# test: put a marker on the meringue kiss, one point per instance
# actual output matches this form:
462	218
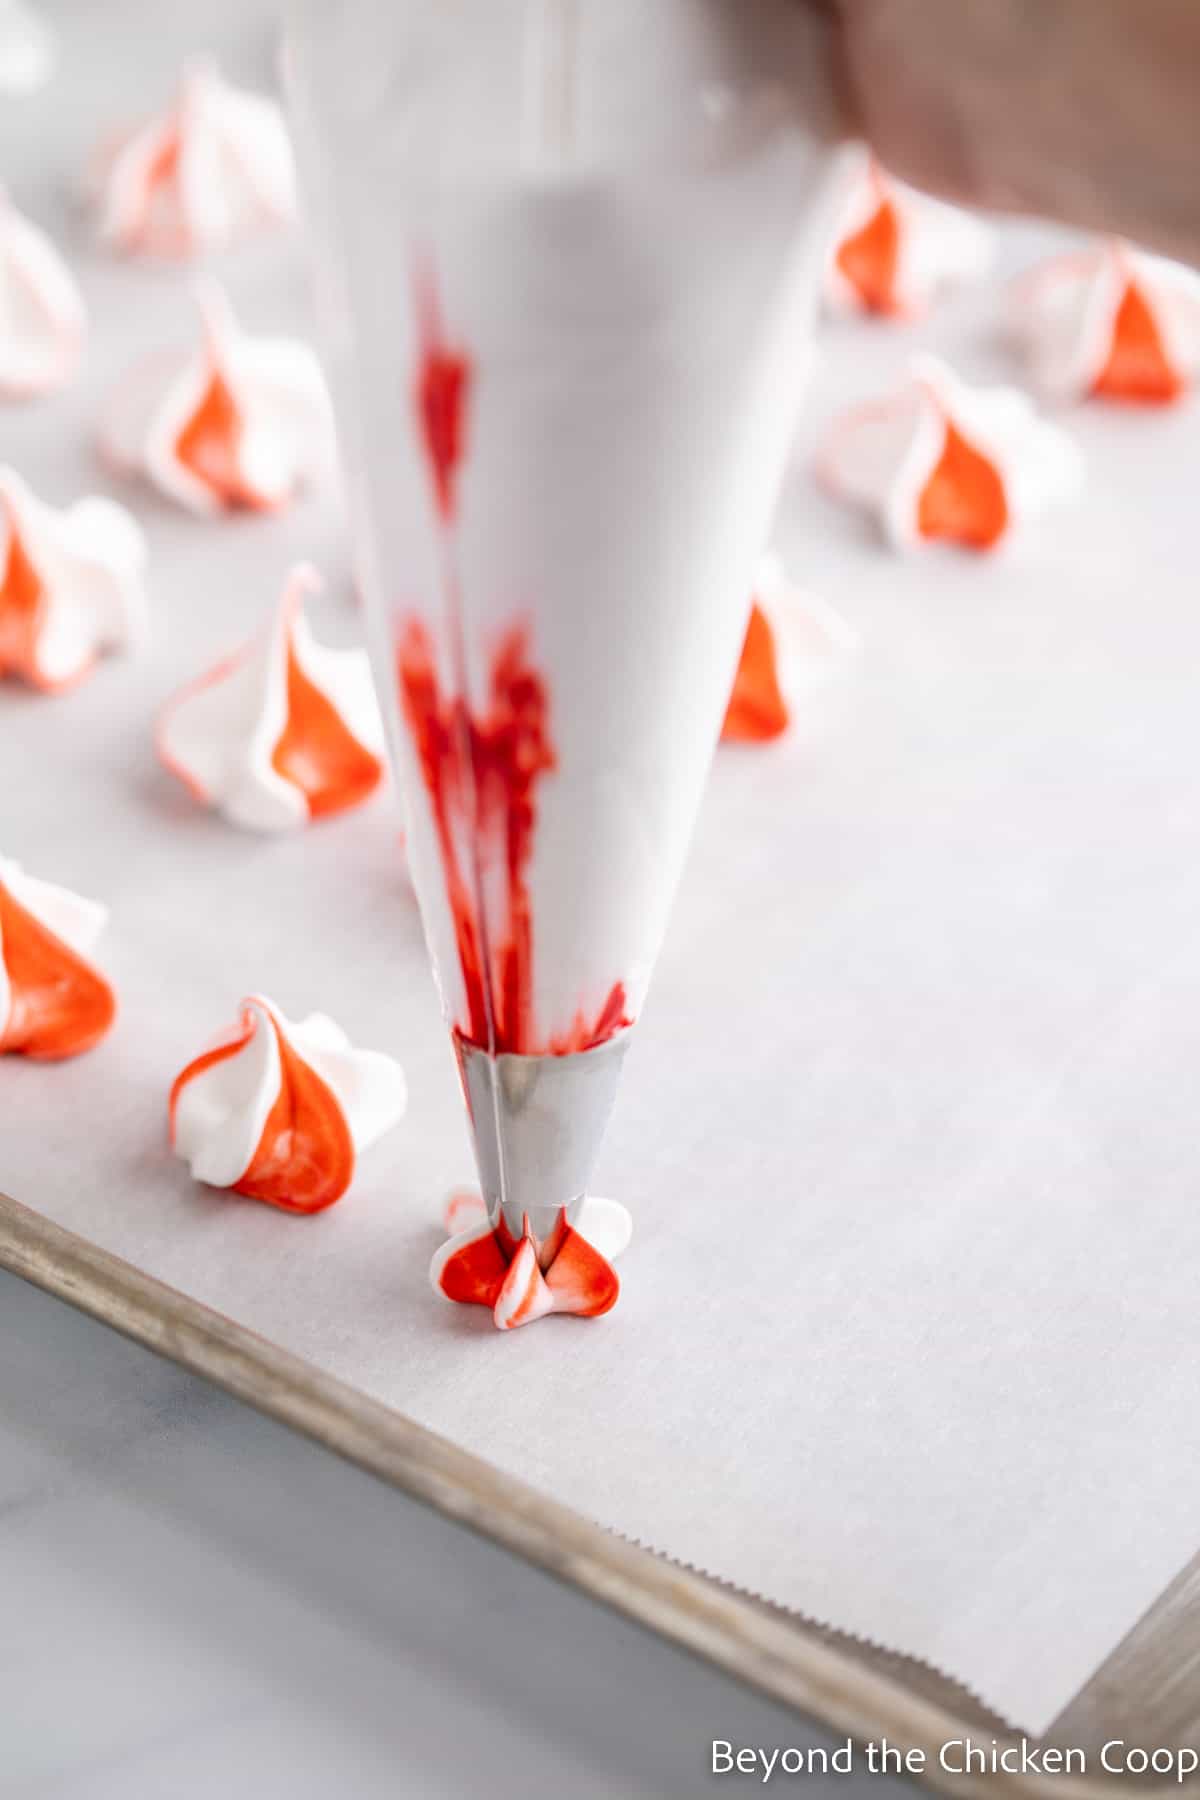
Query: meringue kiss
1110	322
71	585
42	318
240	422
211	169
941	460
519	1280
281	1111
282	732
53	1003
794	642
895	250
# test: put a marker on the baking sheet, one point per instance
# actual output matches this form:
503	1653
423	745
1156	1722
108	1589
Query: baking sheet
907	1333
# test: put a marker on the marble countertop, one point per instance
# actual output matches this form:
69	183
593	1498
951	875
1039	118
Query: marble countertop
199	1602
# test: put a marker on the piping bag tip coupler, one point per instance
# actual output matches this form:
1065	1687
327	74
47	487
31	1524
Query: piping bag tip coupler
537	1124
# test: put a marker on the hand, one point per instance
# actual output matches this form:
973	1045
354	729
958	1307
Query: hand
1086	111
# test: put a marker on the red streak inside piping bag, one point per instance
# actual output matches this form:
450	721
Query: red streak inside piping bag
443	380
481	768
481	771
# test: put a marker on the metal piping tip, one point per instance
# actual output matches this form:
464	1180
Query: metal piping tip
537	1124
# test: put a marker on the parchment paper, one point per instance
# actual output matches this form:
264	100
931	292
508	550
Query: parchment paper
908	1334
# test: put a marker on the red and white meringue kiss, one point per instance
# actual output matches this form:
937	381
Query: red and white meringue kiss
1110	322
520	1281
794	643
28	48
895	250
283	731
941	460
53	1003
281	1111
239	422
72	585
42	317
213	168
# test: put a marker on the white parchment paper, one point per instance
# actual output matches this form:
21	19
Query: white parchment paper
908	1332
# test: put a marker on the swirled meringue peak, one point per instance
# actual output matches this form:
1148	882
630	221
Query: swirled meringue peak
281	1111
895	250
42	317
53	1003
1110	323
71	585
238	422
283	731
28	48
213	168
938	459
794	643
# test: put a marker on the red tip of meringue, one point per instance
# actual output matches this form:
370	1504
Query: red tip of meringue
964	498
1138	366
441	404
209	446
757	709
161	172
869	257
490	1269
20	612
317	753
58	1005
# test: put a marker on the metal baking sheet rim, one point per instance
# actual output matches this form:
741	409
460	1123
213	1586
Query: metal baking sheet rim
831	1684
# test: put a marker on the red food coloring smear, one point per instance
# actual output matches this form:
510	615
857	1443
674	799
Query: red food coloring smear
869	257
757	709
317	753
964	498
519	1284
304	1159
20	612
481	772
440	396
57	1006
1138	367
210	443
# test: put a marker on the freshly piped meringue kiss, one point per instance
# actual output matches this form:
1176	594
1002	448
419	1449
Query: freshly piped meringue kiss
239	422
215	167
28	48
941	460
42	317
72	585
53	1003
794	643
895	250
482	1266
281	1111
284	731
1110	322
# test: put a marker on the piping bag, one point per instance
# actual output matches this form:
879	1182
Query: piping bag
568	253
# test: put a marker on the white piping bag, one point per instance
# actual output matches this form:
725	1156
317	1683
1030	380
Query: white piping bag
571	251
